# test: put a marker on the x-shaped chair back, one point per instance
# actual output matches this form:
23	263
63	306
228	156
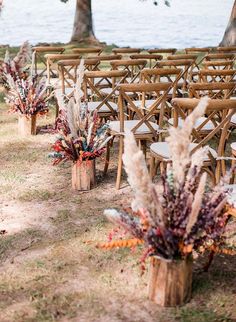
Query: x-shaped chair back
184	64
39	53
104	61
92	92
162	75
224	107
214	90
86	51
151	58
68	71
208	75
218	64
132	66
144	117
52	66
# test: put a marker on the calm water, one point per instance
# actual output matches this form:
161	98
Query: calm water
123	22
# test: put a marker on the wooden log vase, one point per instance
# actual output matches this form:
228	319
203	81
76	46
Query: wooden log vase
83	175
170	282
26	125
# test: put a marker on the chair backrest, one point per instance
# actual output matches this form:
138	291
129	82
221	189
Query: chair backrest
214	90
132	66
143	115
151	58
230	49
212	75
104	61
184	64
39	53
162	75
126	51
86	51
93	92
220	56
51	61
68	71
198	50
165	51
220	107
182	56
218	64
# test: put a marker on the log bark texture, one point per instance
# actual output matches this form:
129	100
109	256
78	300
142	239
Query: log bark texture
83	175
229	38
26	125
170	282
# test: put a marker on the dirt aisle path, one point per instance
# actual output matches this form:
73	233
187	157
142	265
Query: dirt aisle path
50	269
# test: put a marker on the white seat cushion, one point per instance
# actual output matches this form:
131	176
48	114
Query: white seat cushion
68	91
148	104
108	91
233	146
130	124
162	149
93	105
233	119
231	194
209	126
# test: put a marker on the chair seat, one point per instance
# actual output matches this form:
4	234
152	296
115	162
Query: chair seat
231	194
162	149
68	91
209	126
233	146
147	105
103	109
130	124
233	119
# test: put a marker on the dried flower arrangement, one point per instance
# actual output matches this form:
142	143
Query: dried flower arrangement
16	67
178	216
27	97
82	135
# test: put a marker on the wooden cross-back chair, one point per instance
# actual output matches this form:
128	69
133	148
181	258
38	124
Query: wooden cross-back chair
104	61
86	51
132	66
126	51
68	72
193	57
160	153
104	102
207	75
143	126
161	75
185	65
52	66
151	58
39	53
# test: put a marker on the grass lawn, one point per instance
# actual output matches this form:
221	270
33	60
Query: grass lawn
50	268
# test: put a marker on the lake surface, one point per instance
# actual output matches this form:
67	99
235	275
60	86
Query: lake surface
121	22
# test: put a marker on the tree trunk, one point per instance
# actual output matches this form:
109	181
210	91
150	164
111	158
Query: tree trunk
229	38
83	22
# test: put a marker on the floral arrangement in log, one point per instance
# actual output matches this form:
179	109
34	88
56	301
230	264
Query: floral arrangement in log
180	214
16	67
81	134
28	97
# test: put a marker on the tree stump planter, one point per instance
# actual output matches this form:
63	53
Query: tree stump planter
26	125
83	175
170	282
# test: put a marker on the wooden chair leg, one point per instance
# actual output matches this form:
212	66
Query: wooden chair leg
119	169
233	163
107	160
162	167
152	167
